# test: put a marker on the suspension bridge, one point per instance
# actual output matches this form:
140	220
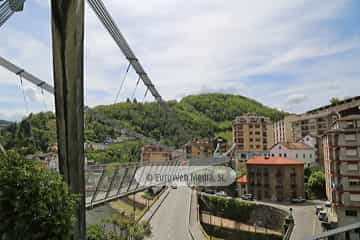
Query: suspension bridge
101	183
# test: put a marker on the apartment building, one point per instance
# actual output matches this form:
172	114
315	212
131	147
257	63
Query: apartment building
275	178
253	136
155	153
342	169
296	151
283	129
205	147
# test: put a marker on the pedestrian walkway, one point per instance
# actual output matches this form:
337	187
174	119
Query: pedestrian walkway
150	213
195	227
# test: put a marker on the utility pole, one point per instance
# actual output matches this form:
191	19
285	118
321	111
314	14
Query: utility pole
67	18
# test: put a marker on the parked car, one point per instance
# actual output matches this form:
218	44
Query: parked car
318	209
327	204
323	216
298	200
248	197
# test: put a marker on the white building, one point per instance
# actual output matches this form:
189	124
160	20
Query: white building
295	151
309	140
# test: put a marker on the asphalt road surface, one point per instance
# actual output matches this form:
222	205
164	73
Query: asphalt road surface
170	222
306	222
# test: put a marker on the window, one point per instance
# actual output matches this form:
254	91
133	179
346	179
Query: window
273	155
354	182
285	154
355	197
310	155
251	140
351	152
352	167
304	155
280	155
351	213
296	156
350	137
279	147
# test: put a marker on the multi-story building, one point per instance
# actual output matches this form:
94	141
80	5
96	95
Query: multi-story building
155	153
296	151
283	129
205	147
253	135
275	178
342	169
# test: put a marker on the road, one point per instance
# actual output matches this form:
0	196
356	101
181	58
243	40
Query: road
170	222
306	222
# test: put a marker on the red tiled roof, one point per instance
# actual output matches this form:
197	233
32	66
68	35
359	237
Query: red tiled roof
297	145
242	179
261	160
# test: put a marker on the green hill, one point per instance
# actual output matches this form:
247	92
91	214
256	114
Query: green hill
204	115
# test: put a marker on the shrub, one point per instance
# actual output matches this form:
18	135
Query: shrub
35	203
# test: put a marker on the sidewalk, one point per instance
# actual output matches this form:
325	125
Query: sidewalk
195	228
153	209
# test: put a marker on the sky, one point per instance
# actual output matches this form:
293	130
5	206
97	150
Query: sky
291	55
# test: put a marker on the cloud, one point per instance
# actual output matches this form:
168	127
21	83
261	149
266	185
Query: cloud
296	99
269	52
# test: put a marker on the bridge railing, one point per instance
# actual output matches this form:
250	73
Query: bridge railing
104	183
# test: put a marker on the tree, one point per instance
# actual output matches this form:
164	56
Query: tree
35	203
316	184
334	100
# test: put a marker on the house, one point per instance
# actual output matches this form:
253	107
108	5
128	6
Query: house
275	178
200	148
296	151
155	153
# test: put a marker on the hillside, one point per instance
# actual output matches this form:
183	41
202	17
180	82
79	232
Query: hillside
204	115
4	123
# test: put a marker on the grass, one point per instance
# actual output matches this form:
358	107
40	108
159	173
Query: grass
121	205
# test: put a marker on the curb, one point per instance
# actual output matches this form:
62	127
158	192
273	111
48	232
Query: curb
157	207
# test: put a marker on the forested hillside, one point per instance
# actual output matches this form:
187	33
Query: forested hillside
204	115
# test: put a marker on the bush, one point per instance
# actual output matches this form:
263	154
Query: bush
231	208
123	228
35	203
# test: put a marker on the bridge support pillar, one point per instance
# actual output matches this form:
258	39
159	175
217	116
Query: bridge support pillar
68	43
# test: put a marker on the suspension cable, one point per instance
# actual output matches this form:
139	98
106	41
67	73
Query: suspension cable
122	83
137	84
23	91
43	99
146	92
